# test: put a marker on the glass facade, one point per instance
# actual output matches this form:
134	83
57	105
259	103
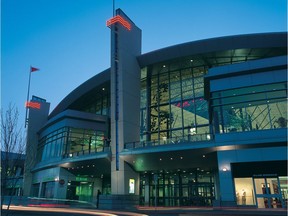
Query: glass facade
177	188
172	101
48	189
69	142
251	108
265	192
96	101
173	105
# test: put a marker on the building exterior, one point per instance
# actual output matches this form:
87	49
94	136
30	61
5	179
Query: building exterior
12	169
197	124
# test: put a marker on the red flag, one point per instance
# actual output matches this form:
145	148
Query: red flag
33	69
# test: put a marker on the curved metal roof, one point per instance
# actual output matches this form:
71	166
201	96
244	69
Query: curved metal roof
201	47
88	86
260	40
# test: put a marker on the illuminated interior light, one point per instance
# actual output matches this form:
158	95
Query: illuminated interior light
224	169
34	105
208	137
119	19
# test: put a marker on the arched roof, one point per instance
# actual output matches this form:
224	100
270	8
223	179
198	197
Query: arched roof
201	47
260	40
93	83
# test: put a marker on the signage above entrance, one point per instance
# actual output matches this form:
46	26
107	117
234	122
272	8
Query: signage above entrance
119	19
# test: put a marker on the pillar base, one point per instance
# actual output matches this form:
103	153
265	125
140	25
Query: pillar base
127	202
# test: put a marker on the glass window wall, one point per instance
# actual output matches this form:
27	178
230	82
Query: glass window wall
253	108
69	142
177	188
174	100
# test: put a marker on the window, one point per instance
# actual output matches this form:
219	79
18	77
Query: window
252	108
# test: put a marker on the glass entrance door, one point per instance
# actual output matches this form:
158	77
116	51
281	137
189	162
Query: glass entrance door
268	192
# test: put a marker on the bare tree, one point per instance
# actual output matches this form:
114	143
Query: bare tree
12	153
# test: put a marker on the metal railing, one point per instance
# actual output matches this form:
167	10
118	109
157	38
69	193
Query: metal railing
86	152
169	141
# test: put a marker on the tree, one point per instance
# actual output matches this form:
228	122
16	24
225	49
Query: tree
12	152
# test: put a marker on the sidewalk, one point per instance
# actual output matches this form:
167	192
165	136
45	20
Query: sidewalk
210	211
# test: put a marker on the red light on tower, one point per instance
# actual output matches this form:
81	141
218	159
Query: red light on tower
119	19
34	105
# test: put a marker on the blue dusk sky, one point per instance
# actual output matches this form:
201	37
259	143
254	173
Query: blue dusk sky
69	42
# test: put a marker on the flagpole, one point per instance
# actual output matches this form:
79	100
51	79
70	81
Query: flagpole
28	92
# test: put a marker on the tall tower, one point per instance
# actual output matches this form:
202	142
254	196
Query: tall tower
125	99
38	115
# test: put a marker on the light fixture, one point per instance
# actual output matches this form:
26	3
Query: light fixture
224	169
208	137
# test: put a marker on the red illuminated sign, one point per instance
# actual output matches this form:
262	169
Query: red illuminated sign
34	105
119	19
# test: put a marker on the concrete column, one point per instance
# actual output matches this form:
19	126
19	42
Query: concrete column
36	119
125	99
226	190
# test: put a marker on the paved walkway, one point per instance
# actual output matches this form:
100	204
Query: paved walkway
143	211
210	211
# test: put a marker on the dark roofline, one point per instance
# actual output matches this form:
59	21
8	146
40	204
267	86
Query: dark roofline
84	88
259	40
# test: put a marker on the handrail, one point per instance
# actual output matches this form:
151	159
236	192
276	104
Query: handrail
165	141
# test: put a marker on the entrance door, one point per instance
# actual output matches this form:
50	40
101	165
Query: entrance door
268	192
